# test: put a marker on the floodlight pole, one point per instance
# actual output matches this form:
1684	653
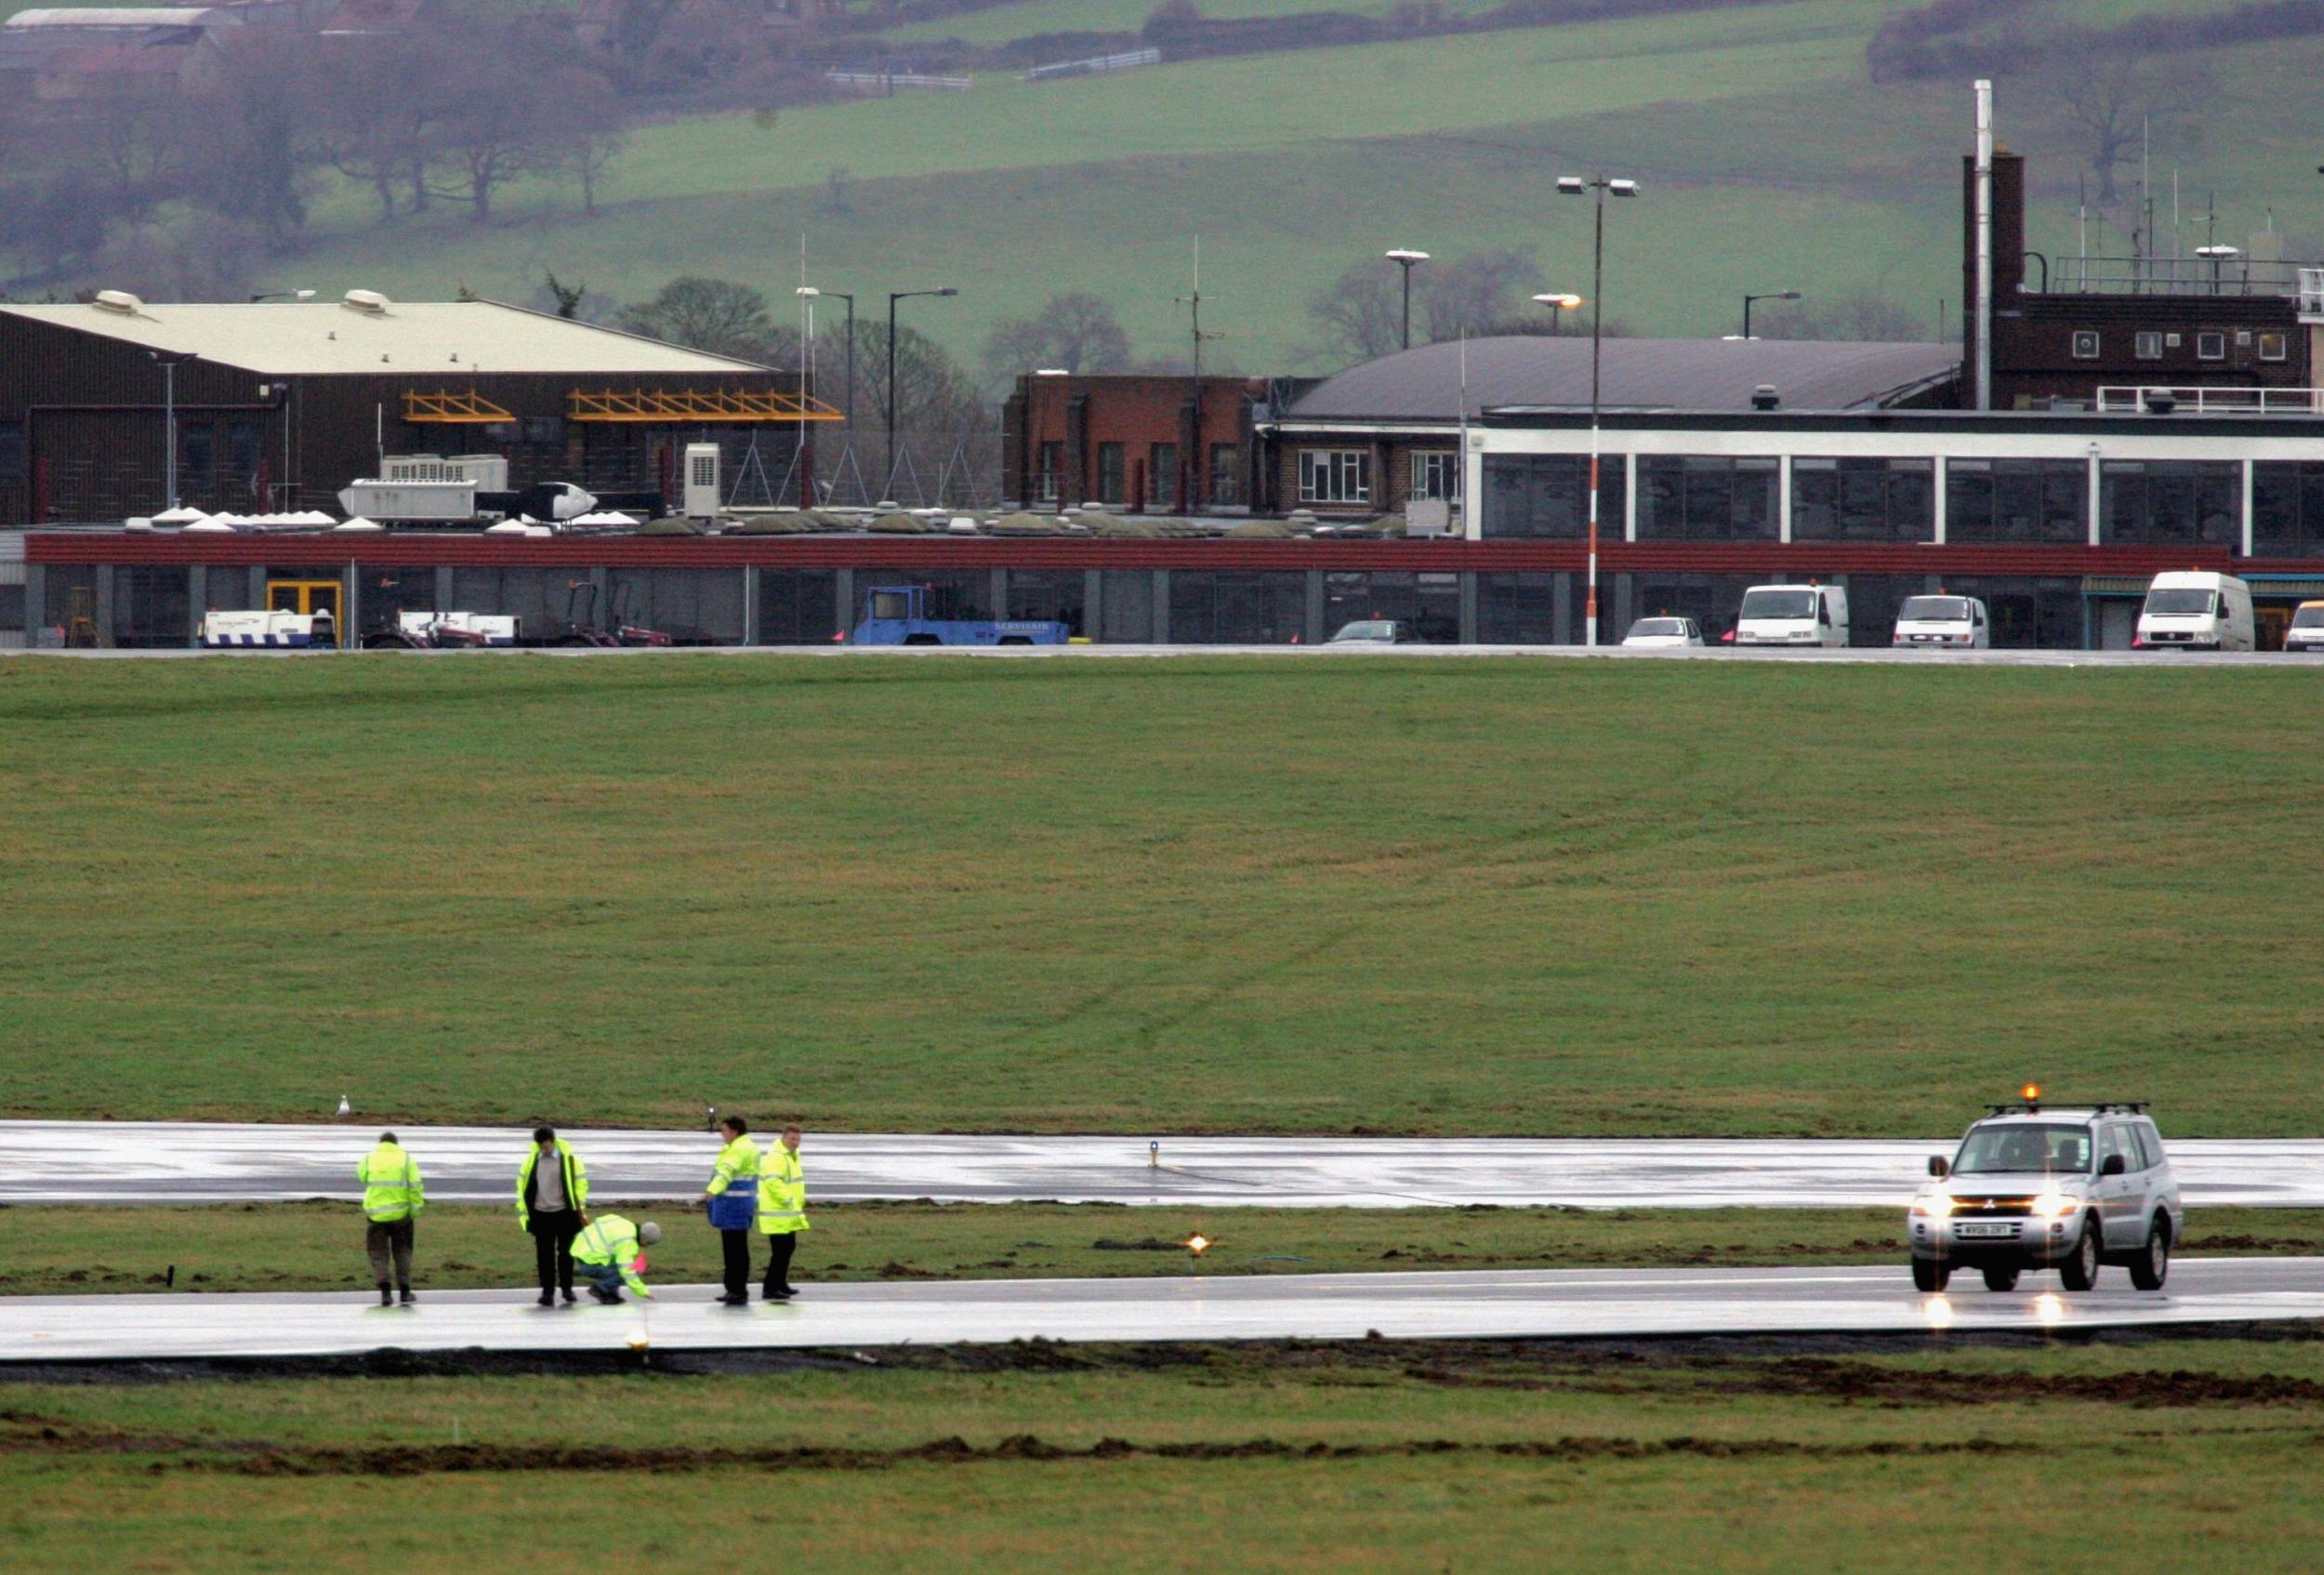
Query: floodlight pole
169	362
1598	186
1406	259
887	486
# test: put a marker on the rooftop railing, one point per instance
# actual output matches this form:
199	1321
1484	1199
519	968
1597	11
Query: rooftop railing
2311	292
2159	399
2240	274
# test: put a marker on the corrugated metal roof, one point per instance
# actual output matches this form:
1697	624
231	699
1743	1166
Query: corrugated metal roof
1426	384
451	338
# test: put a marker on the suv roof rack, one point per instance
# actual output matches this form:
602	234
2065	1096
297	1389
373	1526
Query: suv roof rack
2033	1107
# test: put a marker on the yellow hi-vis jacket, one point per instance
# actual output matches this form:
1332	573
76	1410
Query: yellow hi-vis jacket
782	1192
733	1187
391	1188
612	1240
576	1180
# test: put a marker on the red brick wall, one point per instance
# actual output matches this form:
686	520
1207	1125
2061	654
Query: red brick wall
1136	411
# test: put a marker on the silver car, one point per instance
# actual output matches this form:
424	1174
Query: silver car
2068	1188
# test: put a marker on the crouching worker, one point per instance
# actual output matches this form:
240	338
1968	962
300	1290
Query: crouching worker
607	1254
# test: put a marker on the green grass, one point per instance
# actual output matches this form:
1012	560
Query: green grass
1524	896
319	1246
1373	1457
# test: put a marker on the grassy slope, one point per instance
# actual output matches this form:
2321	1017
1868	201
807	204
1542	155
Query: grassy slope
1325	1459
318	1246
1755	129
1513	897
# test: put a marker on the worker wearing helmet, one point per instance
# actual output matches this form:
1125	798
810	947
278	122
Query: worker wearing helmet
733	1198
782	1212
609	1255
393	1194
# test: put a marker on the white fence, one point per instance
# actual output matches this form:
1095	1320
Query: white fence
2124	400
887	82
1129	60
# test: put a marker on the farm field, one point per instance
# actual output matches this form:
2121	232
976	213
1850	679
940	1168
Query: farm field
1236	894
1376	1456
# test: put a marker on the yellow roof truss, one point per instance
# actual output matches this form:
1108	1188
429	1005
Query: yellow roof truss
468	408
724	406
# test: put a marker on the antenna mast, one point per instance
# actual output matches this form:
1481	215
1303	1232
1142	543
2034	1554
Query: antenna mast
1189	465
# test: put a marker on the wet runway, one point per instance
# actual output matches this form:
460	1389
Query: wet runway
168	1162
1571	1302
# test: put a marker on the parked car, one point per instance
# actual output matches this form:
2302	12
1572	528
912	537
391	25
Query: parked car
1663	634
1794	614
2069	1187
2306	632
1942	620
1375	631
2195	610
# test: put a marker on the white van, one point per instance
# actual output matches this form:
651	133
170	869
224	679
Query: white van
1794	614
2195	610
1942	620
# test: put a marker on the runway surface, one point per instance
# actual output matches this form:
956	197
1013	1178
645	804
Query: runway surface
1572	1302
171	1162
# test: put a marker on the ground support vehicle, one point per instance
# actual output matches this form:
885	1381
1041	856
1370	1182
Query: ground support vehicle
2304	634
1938	622
1663	634
2069	1187
1794	614
1375	631
230	629
914	615
2195	611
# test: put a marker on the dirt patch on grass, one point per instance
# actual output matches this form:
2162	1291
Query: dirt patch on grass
1880	1385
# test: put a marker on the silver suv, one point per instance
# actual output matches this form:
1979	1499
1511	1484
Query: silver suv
2068	1188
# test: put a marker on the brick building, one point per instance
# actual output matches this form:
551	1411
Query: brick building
1160	445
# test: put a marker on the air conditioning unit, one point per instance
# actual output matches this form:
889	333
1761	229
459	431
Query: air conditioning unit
702	481
489	472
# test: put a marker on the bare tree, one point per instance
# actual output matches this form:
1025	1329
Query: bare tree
1467	294
1077	331
1360	315
2111	97
717	315
1862	314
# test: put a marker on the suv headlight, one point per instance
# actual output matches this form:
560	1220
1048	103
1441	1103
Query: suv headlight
1937	1204
2053	1205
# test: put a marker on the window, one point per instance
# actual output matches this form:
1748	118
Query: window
2274	346
2085	344
2288	508
800	607
197	456
1547	496
1111	488
2210	346
1225	471
2146	346
1863	499
2016	501
11	454
1052	467
1335	475
11	609
1430	602
1517	609
1436	473
1048	596
1126	606
1704	497
1236	609
2165	503
1162	475
150	606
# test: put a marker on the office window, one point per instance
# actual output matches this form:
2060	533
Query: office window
2164	503
800	607
1225	472
1236	609
2274	346
2146	346
1430	602
1162	475
1436	473
1112	485
1335	475
1046	480
2085	344
2210	346
1863	499
1707	497
1547	496
2288	508
2016	501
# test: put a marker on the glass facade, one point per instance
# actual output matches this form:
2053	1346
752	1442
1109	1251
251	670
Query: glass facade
1546	497
1431	604
2288	508
1050	595
693	606
1126	607
1517	609
2016	501
1237	609
1872	604
2171	502
1708	498
1712	601
1863	499
150	606
801	607
2027	612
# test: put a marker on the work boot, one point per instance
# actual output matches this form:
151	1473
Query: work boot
569	1296
548	1298
775	1294
386	1297
735	1299
408	1298
603	1295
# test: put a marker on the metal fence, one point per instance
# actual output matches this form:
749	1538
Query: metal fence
2131	398
2237	275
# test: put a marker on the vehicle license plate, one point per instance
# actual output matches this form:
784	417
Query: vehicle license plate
1971	1230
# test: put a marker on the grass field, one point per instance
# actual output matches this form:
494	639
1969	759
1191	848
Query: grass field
1376	1456
1752	127
319	1246
1208	895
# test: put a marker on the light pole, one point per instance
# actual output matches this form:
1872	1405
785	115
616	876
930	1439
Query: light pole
2215	256
1576	185
887	487
1774	295
1406	259
1559	305
842	295
169	361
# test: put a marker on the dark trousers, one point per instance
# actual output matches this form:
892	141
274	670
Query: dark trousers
779	1263
552	1247
737	1246
392	1238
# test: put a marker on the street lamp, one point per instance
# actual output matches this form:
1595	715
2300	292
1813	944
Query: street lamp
169	361
1406	259
2215	256
1774	295
810	291
1559	304
1576	185
887	487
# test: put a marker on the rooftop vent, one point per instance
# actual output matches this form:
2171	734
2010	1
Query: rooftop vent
2161	401
370	301
1764	397
121	301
